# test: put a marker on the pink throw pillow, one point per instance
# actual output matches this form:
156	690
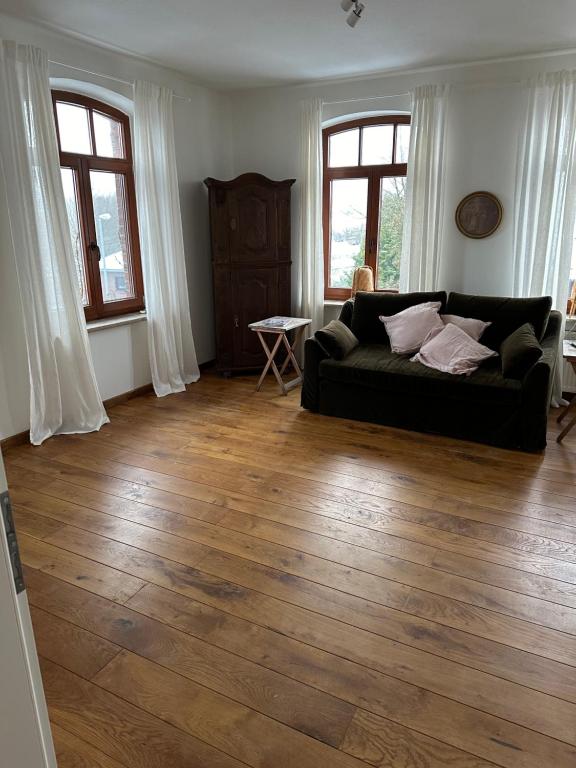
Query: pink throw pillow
452	350
473	327
408	329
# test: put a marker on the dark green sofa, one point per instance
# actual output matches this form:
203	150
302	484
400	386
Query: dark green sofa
374	384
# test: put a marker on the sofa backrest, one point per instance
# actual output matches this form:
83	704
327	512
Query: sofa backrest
505	314
368	306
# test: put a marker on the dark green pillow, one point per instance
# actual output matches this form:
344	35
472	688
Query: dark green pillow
519	352
504	314
337	339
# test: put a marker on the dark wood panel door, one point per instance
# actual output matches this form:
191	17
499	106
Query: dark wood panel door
253	225
250	232
254	297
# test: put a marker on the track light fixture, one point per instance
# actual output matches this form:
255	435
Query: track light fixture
354	9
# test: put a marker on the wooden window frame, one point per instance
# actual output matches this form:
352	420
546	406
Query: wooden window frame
82	164
374	174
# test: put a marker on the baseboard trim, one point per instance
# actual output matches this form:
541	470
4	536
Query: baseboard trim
118	399
23	438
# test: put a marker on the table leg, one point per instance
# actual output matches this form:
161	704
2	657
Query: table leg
270	353
282	338
292	357
285	363
297	337
566	429
563	413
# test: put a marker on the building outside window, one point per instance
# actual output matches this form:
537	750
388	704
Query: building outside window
97	175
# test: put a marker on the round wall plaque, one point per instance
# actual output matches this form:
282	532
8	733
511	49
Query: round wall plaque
479	215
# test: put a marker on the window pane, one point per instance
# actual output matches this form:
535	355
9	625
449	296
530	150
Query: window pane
377	144
112	234
402	143
71	198
74	128
392	198
108	134
343	148
349	198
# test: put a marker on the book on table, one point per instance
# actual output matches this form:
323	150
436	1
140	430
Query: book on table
278	323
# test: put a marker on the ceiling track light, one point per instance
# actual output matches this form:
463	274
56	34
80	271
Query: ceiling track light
354	9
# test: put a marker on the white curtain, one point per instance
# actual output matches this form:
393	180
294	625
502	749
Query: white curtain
310	263
422	238
64	394
546	194
171	345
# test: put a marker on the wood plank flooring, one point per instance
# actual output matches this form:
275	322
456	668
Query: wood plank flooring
220	579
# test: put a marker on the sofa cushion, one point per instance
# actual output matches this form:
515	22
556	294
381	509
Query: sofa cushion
376	367
408	329
337	339
519	352
505	314
453	351
470	325
369	306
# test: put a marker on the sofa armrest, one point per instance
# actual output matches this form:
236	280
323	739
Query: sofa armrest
346	313
313	356
537	387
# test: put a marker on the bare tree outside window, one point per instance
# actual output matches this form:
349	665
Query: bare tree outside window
365	165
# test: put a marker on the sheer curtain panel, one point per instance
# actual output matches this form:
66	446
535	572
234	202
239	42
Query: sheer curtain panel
64	395
546	194
422	238
310	263
170	341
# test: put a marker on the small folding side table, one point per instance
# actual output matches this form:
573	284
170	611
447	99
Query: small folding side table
569	354
279	327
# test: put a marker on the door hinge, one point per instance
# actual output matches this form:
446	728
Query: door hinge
15	562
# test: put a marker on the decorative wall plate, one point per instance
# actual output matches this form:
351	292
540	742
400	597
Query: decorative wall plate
479	215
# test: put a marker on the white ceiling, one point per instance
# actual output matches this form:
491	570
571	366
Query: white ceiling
235	43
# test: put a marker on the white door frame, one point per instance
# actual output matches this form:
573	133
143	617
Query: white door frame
25	737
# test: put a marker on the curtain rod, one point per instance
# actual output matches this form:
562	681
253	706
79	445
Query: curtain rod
407	93
108	77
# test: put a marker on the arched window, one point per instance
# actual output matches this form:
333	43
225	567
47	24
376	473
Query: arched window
96	167
365	164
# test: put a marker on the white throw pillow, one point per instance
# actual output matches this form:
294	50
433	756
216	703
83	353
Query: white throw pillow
452	350
473	327
408	329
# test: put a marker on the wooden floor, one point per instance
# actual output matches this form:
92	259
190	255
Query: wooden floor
220	579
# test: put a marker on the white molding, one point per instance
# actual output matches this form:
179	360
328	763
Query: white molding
115	322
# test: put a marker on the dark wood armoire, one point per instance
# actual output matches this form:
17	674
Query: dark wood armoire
251	259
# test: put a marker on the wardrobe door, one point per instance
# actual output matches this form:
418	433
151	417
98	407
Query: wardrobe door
250	233
254	297
253	225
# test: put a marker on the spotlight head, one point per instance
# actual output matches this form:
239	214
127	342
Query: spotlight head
346	5
355	14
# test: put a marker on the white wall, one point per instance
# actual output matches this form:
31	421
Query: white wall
202	149
483	127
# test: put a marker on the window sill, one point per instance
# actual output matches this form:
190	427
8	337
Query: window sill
115	322
334	302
